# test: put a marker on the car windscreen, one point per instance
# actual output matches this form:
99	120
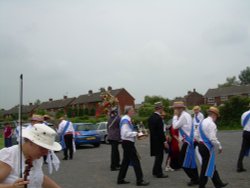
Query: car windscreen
85	127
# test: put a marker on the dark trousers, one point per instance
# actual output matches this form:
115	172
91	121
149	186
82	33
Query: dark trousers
68	139
205	160
191	173
245	146
7	142
115	156
130	156
157	168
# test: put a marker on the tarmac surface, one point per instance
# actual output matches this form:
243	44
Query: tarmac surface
90	167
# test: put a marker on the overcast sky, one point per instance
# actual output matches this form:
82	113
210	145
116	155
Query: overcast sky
149	47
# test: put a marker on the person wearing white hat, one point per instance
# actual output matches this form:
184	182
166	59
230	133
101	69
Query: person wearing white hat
245	146
37	141
183	121
208	141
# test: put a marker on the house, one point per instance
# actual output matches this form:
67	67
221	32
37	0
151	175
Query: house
56	105
92	100
191	99
26	110
218	96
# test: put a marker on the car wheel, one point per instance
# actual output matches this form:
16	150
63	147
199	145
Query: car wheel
106	141
96	145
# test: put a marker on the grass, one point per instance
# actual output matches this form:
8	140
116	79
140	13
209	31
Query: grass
1	142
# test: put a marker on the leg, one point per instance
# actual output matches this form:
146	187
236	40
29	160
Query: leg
244	147
136	164
112	166
66	140
205	159
116	154
70	142
125	162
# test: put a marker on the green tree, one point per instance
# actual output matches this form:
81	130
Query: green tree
230	81
245	76
37	102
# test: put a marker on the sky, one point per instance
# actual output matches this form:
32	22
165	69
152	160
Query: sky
149	47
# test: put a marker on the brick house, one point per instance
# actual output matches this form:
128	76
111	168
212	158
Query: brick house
218	96
192	98
26	110
92	100
56	105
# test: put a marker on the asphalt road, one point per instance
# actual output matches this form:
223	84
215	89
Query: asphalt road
90	167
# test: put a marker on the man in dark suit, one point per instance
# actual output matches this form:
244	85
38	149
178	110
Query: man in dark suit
157	139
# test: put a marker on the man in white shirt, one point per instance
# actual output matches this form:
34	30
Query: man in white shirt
208	141
66	132
197	119
245	147
183	121
130	155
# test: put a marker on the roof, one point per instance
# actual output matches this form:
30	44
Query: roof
25	110
94	97
228	91
56	104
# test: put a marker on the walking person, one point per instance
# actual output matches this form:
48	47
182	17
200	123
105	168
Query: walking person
245	146
208	141
197	119
130	155
114	138
66	132
183	121
157	140
7	135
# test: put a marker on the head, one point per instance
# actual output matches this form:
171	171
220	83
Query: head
38	140
163	114
36	119
113	112
196	110
214	113
46	117
7	125
129	110
178	107
159	107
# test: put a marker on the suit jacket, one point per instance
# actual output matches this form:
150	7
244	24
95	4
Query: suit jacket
157	136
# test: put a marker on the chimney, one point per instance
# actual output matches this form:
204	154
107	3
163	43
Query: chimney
30	104
194	90
109	88
50	99
90	92
65	97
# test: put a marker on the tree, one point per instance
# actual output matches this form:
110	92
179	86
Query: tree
230	81
245	76
37	102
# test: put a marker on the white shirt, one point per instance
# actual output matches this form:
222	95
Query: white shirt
63	124
247	127
184	122
196	124
210	130
10	156
126	132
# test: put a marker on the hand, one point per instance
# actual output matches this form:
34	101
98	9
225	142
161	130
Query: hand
220	150
19	183
166	146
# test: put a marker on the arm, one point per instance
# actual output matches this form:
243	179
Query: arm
126	131
49	183
59	130
178	122
213	137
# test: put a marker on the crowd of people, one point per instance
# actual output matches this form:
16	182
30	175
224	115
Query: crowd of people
186	140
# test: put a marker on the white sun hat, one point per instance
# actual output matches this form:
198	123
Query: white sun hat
43	136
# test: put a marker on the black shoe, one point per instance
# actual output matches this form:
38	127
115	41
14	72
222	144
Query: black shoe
192	183
65	158
122	182
241	170
222	185
45	162
114	169
161	176
142	183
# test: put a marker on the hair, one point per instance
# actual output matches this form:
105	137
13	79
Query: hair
127	109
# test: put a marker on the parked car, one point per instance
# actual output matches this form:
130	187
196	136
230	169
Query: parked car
86	133
103	131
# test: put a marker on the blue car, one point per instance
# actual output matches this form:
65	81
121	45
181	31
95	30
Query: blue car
86	133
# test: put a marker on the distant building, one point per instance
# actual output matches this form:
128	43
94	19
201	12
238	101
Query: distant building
218	96
191	99
92	100
26	110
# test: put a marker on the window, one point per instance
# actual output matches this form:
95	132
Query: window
210	100
223	98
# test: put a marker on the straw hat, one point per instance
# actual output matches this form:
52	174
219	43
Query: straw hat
214	110
196	108
43	136
36	117
178	104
